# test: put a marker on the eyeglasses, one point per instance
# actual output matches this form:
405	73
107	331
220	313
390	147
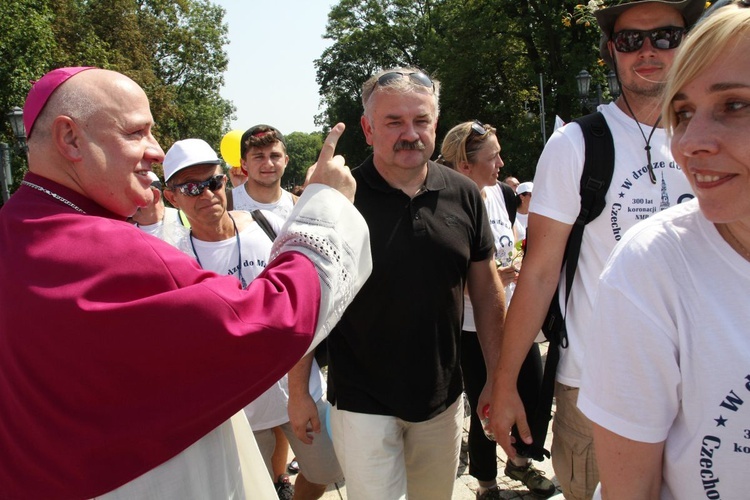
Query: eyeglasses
416	77
197	188
665	38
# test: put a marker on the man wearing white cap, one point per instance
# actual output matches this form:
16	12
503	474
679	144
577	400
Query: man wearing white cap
237	244
523	197
121	359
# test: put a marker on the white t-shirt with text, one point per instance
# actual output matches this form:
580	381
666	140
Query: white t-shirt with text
223	257
671	349
631	197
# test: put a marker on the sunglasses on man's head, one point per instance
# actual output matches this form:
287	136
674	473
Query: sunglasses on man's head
666	38
196	188
416	77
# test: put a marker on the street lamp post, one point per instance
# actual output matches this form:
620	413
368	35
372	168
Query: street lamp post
15	117
5	174
530	115
583	79
541	110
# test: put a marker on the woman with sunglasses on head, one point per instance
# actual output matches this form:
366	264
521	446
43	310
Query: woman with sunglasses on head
472	149
668	388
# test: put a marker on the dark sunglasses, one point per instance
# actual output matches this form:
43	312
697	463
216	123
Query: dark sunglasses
666	38
197	188
417	77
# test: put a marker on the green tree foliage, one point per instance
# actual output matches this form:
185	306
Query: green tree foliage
368	35
173	48
27	47
488	54
303	150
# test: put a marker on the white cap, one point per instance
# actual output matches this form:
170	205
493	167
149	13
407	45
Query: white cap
153	177
525	187
187	153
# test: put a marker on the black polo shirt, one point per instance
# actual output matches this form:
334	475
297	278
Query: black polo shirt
396	350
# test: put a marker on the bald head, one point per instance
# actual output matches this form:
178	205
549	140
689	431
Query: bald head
80	97
94	136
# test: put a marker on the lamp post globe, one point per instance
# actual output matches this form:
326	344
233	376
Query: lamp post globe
15	117
584	83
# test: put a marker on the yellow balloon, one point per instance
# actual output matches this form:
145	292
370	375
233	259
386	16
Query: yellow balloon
230	147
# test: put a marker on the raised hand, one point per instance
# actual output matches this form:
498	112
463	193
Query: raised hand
331	169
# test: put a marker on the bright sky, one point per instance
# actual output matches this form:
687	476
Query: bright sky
271	75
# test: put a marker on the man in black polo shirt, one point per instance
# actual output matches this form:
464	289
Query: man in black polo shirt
394	373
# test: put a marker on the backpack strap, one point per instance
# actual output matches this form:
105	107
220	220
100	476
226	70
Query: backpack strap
598	168
511	204
230	200
264	224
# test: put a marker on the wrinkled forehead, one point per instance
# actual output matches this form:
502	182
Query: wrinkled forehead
394	102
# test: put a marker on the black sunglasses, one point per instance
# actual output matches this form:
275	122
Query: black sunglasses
665	38
196	188
416	77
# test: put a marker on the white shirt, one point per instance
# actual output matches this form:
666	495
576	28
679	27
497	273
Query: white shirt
281	207
223	257
631	197
672	349
502	231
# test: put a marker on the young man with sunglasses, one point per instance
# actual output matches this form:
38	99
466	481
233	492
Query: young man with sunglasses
121	359
639	41
394	373
234	243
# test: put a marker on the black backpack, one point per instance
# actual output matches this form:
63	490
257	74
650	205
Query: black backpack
598	168
511	205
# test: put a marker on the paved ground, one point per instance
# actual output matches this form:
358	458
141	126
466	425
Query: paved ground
465	486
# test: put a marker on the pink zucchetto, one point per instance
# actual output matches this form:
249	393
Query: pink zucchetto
41	90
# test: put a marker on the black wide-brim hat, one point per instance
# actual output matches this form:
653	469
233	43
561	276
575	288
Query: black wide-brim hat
606	17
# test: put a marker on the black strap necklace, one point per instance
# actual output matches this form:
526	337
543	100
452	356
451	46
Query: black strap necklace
239	251
651	174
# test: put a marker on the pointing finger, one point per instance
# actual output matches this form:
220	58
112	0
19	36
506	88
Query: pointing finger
329	145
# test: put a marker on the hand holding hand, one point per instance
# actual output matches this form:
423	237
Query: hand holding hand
506	410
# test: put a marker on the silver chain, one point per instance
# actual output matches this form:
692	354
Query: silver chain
54	195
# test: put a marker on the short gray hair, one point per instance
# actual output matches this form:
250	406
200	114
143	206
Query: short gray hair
75	101
403	85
